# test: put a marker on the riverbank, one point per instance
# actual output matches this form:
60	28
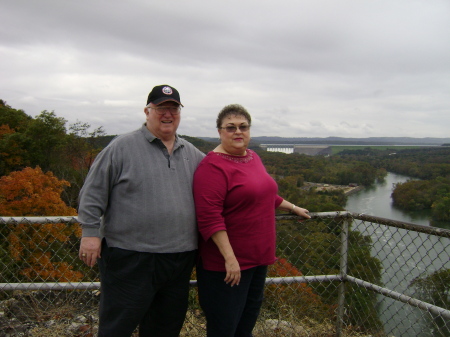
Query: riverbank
347	189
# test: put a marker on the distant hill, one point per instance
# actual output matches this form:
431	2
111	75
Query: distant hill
103	141
206	144
201	144
346	141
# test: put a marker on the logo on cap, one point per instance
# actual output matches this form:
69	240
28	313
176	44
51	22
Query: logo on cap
167	90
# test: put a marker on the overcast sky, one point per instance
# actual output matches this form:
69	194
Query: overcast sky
316	68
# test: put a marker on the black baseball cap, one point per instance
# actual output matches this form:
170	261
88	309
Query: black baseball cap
162	93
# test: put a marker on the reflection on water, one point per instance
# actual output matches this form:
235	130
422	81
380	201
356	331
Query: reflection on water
376	200
401	264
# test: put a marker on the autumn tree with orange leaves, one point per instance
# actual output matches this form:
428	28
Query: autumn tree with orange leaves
38	250
46	141
298	298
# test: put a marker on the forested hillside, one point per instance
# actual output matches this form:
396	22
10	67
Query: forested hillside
69	150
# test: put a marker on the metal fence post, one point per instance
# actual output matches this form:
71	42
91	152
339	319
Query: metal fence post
343	274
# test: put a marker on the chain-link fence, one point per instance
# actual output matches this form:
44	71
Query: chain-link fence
338	274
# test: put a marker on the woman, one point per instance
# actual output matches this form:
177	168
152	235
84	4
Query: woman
235	203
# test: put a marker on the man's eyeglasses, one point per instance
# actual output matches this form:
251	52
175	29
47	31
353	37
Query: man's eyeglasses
232	128
161	110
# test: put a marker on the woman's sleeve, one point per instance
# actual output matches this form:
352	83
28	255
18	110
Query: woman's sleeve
278	201
210	189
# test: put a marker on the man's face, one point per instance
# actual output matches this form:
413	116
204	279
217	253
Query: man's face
163	123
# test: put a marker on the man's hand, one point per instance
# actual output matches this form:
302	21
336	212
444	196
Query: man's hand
90	248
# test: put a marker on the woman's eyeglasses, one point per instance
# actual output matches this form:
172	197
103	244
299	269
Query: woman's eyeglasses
232	128
161	110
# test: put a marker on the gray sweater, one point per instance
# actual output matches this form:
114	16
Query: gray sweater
140	198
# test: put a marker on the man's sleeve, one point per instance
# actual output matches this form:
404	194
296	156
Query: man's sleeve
94	195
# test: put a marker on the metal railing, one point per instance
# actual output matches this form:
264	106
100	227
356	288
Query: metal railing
339	273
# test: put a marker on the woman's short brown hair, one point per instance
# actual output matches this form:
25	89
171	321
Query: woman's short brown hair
232	110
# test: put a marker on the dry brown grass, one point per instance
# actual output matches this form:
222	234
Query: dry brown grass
55	316
195	326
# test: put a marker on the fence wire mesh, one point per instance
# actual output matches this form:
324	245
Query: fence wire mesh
337	274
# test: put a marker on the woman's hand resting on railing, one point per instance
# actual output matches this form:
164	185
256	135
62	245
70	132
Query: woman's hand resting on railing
287	206
303	212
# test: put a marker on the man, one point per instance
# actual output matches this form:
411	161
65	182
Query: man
138	218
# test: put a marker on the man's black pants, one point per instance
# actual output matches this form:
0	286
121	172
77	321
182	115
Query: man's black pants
146	289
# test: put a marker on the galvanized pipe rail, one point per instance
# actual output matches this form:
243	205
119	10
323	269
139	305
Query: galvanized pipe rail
342	278
438	311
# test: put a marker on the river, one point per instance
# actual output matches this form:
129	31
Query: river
399	269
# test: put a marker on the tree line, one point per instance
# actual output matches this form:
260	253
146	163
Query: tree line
46	142
430	168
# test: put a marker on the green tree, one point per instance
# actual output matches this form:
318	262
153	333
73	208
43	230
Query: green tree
441	208
80	149
45	136
425	194
435	289
11	152
13	155
15	119
313	247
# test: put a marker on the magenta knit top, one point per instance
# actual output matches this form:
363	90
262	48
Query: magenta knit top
236	194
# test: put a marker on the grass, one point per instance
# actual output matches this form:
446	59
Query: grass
195	326
75	314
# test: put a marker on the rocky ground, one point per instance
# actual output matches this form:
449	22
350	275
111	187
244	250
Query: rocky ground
74	314
49	313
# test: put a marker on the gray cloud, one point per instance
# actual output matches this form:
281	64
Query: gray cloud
302	68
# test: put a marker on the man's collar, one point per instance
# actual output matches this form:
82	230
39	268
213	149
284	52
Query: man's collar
151	137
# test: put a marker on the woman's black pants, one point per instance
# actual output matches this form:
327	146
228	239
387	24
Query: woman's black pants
231	311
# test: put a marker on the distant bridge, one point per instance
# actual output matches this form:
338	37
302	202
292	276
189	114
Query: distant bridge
311	150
